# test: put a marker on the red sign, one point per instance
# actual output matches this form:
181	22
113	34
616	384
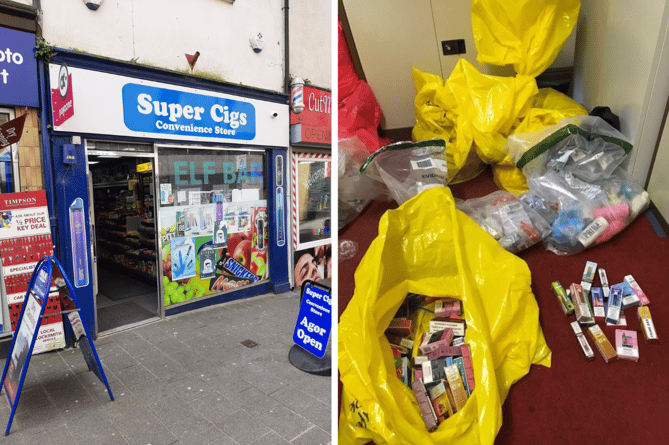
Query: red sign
11	132
62	102
313	126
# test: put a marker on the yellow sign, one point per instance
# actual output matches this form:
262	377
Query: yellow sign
145	167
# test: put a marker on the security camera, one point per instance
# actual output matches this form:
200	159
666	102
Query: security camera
275	114
93	5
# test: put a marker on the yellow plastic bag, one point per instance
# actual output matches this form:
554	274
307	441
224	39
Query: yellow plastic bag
437	118
526	33
429	247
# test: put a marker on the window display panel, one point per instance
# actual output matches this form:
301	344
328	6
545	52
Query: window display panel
313	196
213	221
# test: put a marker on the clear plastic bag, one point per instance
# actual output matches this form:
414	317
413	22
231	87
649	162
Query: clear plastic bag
578	181
514	224
408	168
355	189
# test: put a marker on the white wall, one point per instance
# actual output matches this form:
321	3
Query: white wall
310	41
617	47
160	32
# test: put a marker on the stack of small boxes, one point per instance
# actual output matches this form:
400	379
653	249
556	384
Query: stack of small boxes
589	303
440	371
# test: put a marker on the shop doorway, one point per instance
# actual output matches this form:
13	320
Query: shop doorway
122	214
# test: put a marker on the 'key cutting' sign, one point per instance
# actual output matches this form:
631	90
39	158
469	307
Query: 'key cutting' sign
314	321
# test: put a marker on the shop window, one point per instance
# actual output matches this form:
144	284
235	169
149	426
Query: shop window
213	220
7	177
312	193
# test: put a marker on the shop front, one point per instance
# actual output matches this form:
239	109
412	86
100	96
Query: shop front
179	183
311	175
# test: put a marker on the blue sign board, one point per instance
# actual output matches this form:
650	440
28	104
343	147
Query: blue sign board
164	111
32	312
314	321
18	68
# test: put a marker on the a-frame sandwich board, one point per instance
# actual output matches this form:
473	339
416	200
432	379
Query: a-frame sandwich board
27	328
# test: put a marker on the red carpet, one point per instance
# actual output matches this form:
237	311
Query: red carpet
574	401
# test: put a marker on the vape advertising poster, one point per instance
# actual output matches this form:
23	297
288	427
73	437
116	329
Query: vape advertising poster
220	238
218	260
183	258
79	243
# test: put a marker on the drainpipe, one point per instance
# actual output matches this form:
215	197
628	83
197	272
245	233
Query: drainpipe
286	50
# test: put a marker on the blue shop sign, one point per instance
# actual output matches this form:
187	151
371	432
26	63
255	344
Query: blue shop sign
164	111
314	321
18	68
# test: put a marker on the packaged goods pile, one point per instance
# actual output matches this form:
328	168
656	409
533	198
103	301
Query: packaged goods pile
436	364
589	303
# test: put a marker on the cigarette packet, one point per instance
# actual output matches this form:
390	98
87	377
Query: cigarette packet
647	325
397	340
445	351
458	326
446	308
565	303
614	304
426	408
587	350
643	298
433	371
605	282
603	344
437	345
581	306
597	296
626	345
457	386
400	326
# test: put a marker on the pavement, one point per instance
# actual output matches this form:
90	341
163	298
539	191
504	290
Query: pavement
184	380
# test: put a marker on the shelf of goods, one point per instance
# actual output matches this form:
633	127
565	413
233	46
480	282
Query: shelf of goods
128	243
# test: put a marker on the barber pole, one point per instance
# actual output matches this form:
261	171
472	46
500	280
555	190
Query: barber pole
297	95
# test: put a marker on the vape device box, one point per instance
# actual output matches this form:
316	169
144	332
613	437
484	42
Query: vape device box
565	303
647	325
604	280
457	386
614	304
587	350
588	276
467	358
442	406
597	296
581	306
643	298
603	344
627	346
